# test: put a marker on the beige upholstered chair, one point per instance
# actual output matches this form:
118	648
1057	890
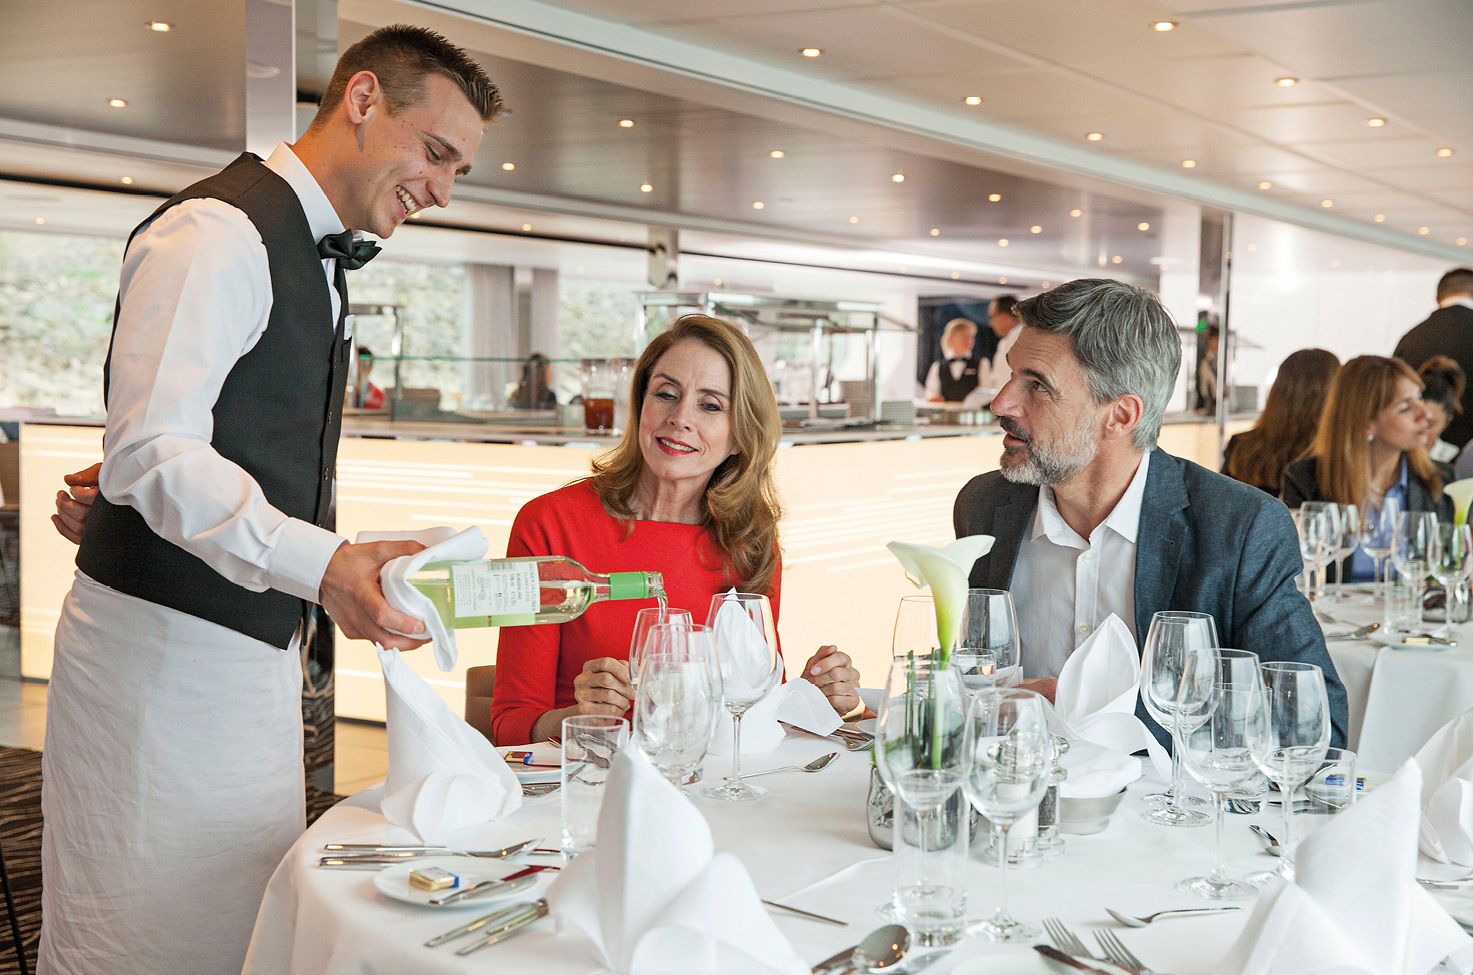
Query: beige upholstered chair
478	684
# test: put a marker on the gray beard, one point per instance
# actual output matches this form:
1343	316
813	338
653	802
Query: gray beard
1057	462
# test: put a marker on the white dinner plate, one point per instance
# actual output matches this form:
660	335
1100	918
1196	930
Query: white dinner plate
1393	641
543	753
867	725
394	881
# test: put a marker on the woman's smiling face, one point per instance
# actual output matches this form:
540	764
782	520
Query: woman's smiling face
685	419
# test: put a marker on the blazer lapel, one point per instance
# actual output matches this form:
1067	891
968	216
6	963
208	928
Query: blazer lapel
1158	539
1009	523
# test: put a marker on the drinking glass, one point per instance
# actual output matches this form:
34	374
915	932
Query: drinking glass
750	666
921	754
1411	554
677	703
1377	535
1011	763
1217	727
1450	560
1346	540
643	621
1290	744
1173	639
1332	788
989	627
1318	526
589	744
915	627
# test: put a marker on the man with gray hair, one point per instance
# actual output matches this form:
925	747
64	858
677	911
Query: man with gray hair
1091	519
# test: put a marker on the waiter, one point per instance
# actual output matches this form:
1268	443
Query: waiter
173	764
954	378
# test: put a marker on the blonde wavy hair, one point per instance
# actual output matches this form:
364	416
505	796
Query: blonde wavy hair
1362	388
740	510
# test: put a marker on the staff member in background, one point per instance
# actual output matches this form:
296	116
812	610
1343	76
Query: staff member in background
1003	320
1447	331
366	395
1290	416
172	773
954	378
1443	383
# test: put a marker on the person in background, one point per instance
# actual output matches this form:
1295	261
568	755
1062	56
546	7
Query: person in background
688	492
534	390
1290	416
1371	446
954	378
1447	331
1443	383
1003	320
366	395
1207	371
172	779
1090	518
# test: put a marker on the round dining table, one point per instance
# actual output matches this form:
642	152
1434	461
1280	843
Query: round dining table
805	845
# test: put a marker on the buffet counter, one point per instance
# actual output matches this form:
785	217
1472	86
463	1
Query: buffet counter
846	492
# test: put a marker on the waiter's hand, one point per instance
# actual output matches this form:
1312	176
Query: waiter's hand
830	671
72	508
351	595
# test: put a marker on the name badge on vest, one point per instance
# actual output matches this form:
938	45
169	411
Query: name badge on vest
348	326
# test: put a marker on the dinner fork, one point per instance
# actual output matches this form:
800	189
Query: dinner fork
1066	939
1118	954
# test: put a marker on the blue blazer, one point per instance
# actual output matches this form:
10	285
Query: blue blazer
1206	543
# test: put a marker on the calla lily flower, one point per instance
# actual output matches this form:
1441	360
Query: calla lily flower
946	571
1462	493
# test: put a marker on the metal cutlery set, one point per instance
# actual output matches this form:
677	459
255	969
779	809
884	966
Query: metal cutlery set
852	738
1072	952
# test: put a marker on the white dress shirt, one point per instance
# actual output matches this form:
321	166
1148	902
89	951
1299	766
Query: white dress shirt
994	373
1465	300
196	296
1064	586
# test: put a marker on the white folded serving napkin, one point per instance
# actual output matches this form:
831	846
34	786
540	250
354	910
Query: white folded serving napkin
653	897
798	702
1446	839
441	545
1094	704
1357	906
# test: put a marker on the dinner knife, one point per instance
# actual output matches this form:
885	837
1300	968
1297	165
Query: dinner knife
495	917
353	849
507	885
835	961
508	929
1049	951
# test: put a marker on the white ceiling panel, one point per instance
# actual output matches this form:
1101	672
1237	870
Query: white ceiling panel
1376	154
651	12
1211	85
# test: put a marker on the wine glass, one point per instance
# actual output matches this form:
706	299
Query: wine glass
1011	763
1173	639
920	752
1347	539
643	621
1217	728
1291	741
750	666
1317	524
1450	560
1377	535
988	635
915	626
1411	554
678	702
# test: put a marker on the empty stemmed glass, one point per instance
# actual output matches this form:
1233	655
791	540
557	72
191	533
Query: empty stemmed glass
678	699
1347	537
1011	761
987	643
1450	560
644	620
1173	639
750	666
1411	553
1377	535
1290	743
1318	526
1217	727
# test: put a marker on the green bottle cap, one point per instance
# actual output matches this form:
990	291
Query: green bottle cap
628	585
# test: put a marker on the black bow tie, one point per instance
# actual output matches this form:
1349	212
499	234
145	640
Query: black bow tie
351	254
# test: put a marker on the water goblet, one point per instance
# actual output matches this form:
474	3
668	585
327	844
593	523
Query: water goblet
643	621
989	626
1346	541
750	666
1173	639
1377	535
677	702
1318	525
1450	560
1290	743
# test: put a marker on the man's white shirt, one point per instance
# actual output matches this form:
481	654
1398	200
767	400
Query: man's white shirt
196	296
1064	586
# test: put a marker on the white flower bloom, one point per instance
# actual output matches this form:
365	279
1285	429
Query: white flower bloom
946	571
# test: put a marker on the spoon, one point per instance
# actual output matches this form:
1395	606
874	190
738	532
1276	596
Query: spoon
1270	845
880	951
812	766
1131	921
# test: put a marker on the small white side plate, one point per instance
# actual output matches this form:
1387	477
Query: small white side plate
1393	640
543	753
394	882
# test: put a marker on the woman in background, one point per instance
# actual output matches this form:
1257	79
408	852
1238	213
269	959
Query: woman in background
1442	395
1290	416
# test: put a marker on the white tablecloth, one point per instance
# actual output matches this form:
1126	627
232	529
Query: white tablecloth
1398	697
806	845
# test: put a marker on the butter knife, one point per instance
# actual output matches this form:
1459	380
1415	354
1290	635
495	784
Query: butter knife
1049	951
525	877
495	917
508	929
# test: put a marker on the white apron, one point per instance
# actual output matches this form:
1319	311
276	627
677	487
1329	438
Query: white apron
172	785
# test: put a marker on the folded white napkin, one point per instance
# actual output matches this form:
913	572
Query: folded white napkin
651	896
798	703
443	774
1447	800
1095	706
442	545
1357	907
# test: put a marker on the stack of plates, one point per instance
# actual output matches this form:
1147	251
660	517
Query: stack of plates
901	412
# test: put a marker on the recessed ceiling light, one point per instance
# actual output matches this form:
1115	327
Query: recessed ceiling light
646	188
994	197
1379	218
1335	262
777	154
578	269
1424	231
1076	213
626	123
1094	136
40	220
1462	241
955	275
973	99
126	181
1286	82
717	282
1264	184
1046	284
526	226
1444	153
508	166
1252	247
1375	123
1116	259
1003	242
1189	164
1035	229
1327	203
1002	280
854	220
117	103
935	231
811	52
1142	226
159	26
897	178
1163	26
758	204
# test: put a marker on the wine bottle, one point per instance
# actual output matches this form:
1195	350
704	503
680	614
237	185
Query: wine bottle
523	591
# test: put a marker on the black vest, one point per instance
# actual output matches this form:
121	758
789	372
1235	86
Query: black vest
956	390
278	416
